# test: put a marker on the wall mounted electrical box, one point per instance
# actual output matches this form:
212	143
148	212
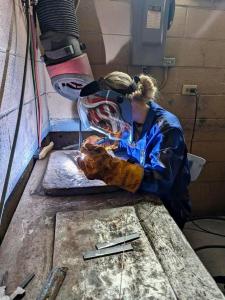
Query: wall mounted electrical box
151	21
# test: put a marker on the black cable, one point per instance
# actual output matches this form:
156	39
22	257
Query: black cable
9	168
197	96
32	58
207	231
210	247
165	79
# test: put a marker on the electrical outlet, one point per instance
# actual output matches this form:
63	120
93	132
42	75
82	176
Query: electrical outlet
189	89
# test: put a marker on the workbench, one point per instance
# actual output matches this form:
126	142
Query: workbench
49	231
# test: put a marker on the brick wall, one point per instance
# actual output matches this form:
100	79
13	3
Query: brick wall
12	53
197	40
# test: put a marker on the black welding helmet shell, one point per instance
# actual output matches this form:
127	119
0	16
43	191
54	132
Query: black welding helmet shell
98	85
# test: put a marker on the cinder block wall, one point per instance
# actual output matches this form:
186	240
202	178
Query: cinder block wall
12	54
197	40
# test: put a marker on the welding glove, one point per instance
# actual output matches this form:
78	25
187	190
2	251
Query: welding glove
96	163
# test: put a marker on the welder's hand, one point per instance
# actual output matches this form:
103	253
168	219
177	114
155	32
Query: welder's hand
92	139
96	163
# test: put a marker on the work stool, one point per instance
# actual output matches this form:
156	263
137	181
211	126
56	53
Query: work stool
196	164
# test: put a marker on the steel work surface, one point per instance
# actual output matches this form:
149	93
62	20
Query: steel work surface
47	231
63	178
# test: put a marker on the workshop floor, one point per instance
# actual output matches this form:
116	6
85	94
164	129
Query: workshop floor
213	259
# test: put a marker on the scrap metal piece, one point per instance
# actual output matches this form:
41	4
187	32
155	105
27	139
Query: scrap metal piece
118	241
52	284
107	251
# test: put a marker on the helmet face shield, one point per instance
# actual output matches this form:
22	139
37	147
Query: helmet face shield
107	112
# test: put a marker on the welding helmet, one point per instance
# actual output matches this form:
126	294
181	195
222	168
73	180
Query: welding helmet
107	112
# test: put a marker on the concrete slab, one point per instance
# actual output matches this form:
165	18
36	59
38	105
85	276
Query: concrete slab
64	178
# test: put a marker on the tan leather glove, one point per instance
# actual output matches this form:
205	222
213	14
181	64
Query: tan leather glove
96	163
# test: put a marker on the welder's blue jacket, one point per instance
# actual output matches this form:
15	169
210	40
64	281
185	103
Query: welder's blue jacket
162	151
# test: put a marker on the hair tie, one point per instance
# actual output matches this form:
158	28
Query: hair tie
136	79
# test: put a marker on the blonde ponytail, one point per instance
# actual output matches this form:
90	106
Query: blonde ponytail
146	88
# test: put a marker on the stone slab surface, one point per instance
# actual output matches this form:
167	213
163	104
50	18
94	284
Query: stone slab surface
132	275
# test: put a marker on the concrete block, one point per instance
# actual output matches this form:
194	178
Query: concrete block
210	130
178	27
134	70
11	11
103	70
209	80
211	107
197	3
45	81
95	47
19	35
187	125
210	151
4	150
28	129
213	171
114	17
6	10
13	85
117	49
182	106
26	142
188	52
214	54
208	198
157	73
2	63
87	16
207	24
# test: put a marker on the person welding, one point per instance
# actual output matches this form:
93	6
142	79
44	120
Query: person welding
151	155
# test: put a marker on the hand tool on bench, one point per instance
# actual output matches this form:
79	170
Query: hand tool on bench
52	284
19	291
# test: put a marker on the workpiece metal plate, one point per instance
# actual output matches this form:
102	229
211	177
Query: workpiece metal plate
64	178
130	275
